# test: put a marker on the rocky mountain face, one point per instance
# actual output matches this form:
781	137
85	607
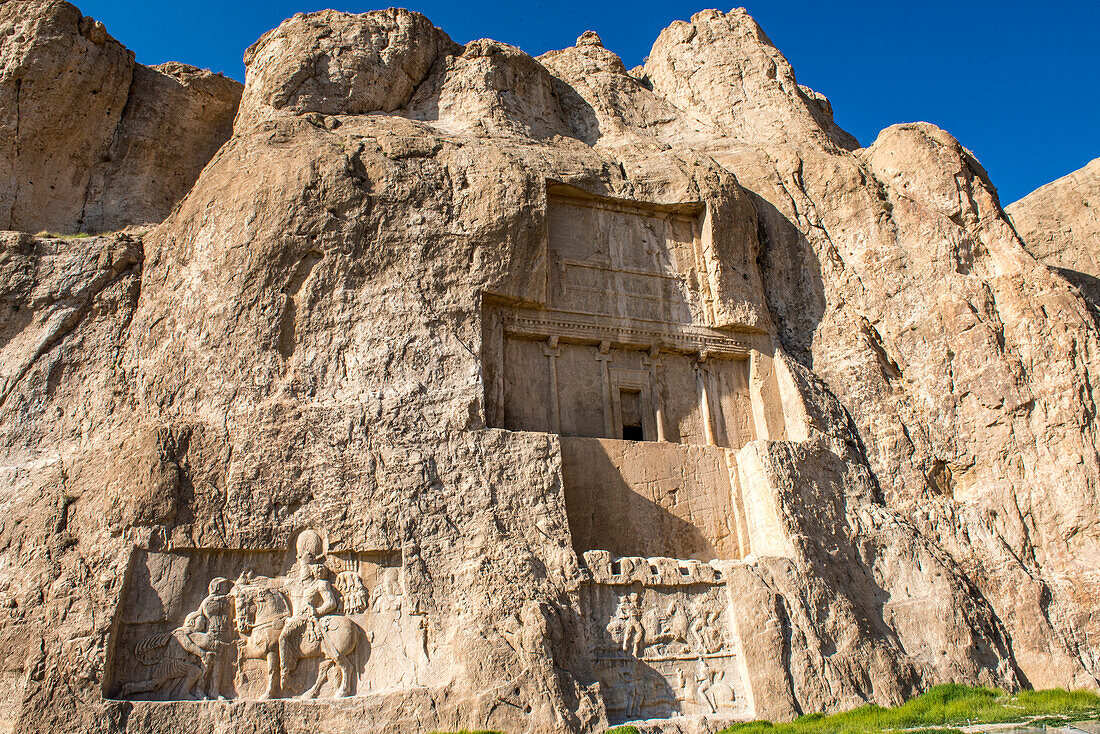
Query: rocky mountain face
1060	225
465	389
92	141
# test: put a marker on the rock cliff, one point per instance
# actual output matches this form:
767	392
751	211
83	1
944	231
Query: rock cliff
525	394
93	141
1060	225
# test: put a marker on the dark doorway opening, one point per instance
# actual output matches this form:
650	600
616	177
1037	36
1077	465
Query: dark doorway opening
630	404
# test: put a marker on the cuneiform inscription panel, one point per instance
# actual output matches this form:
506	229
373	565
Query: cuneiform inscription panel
625	259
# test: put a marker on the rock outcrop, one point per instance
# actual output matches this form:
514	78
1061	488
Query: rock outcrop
1060	225
93	141
538	395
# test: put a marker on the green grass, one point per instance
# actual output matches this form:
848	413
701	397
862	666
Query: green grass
57	236
623	730
940	710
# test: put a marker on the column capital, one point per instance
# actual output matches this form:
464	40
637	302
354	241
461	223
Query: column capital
550	347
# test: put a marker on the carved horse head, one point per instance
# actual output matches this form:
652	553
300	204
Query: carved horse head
257	605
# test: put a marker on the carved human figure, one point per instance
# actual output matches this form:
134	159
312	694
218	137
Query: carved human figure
389	597
674	627
312	596
182	658
712	631
704	684
283	620
626	626
413	629
678	622
706	630
217	611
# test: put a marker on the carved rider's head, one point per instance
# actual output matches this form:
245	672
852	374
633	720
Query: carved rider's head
310	547
219	586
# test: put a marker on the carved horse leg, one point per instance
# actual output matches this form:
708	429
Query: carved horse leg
343	669
323	670
342	678
272	673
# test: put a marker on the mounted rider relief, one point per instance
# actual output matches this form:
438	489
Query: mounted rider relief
200	624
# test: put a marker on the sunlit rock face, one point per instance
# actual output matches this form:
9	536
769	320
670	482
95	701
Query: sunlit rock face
91	141
1060	225
468	390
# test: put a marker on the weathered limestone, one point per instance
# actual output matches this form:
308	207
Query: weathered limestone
340	63
176	118
94	142
1060	225
470	390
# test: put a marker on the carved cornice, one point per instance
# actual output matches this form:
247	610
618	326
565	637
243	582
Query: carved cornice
591	328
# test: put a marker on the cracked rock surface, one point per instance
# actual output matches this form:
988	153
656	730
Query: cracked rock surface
92	141
300	344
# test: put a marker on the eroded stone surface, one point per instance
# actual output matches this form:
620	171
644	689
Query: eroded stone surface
94	142
428	301
1060	224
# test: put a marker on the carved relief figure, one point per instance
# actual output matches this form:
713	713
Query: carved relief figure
389	597
182	659
626	626
284	625
704	683
301	613
412	628
673	628
661	638
312	596
217	611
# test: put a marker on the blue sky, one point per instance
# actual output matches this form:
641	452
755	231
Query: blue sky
1017	82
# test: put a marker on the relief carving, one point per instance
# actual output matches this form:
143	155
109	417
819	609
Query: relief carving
660	638
309	627
218	611
626	626
282	633
181	659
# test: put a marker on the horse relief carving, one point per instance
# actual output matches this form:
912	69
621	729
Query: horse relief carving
303	631
283	621
660	641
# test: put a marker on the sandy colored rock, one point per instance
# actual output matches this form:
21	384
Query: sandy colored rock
96	142
176	118
1060	225
340	62
539	395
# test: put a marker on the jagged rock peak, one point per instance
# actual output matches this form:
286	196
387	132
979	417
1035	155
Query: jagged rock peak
723	68
589	38
332	62
98	142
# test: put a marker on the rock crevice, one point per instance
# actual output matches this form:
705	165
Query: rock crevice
528	394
